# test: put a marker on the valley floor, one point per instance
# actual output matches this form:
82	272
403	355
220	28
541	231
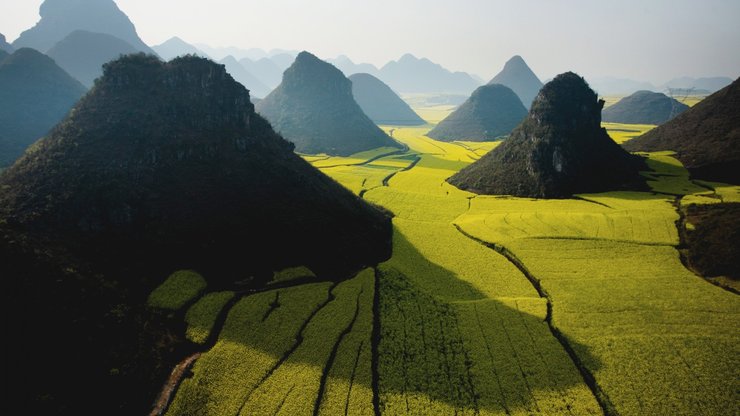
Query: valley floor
489	305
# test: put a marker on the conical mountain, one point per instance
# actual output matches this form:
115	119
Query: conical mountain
170	158
519	77
558	150
59	18
82	54
491	112
5	46
174	47
706	137
241	75
644	107
313	107
380	103
35	95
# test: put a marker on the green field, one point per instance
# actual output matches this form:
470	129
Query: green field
489	305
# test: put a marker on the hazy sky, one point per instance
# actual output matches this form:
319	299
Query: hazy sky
652	40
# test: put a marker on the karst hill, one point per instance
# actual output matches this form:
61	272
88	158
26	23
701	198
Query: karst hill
706	137
560	149
491	112
314	108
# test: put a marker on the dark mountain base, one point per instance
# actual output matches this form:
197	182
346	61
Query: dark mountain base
727	172
714	244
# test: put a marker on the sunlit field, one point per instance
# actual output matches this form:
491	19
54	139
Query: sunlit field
489	305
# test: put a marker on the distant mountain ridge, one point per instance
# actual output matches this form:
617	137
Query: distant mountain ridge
174	47
59	18
381	103
82	54
517	75
256	87
344	64
410	74
314	108
35	94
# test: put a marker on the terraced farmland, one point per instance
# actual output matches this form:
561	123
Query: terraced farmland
490	305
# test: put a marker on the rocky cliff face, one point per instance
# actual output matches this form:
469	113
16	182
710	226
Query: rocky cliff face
559	150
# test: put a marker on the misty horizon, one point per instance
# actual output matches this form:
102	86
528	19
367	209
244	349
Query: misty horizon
654	42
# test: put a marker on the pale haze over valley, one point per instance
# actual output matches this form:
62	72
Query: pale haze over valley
652	41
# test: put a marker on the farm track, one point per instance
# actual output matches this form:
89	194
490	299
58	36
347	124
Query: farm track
601	397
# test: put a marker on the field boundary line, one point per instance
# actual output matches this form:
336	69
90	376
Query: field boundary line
601	397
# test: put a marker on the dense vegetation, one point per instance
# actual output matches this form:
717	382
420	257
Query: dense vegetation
491	112
36	95
558	150
517	75
644	107
313	107
705	137
161	167
381	103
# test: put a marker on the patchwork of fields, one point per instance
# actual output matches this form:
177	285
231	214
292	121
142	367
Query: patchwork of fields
489	305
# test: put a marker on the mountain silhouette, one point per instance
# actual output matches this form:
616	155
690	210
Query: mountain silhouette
644	107
36	95
706	137
558	150
264	69
59	18
173	156
344	64
519	77
313	107
174	47
82	54
413	75
491	112
5	46
241	75
380	103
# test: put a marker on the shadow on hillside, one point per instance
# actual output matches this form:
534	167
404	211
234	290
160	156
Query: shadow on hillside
440	341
